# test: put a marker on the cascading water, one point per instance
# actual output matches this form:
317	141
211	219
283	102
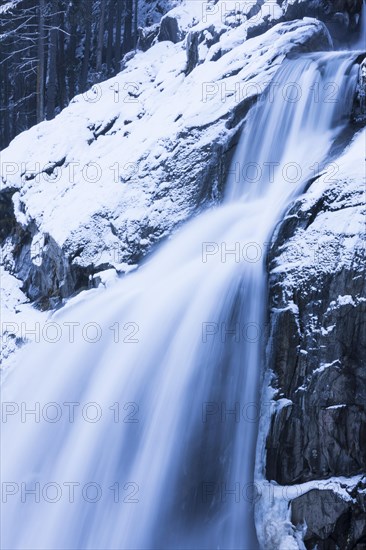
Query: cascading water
165	456
361	40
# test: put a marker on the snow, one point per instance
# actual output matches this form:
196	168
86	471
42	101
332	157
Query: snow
187	14
117	189
282	403
15	313
150	12
327	330
329	243
274	511
272	10
11	294
22	323
342	301
8	6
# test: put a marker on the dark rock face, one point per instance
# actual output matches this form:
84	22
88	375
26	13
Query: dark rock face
169	30
46	274
322	432
147	37
332	521
317	351
341	16
359	111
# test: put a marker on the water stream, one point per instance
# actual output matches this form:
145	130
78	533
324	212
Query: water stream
145	438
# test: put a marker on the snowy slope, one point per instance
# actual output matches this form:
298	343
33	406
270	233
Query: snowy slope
333	240
124	164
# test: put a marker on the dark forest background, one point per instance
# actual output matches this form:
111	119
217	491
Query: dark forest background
51	50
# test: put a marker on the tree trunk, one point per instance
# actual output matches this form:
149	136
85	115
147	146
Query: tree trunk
88	34
4	108
127	35
110	35
100	37
136	25
61	62
41	62
71	51
52	58
117	48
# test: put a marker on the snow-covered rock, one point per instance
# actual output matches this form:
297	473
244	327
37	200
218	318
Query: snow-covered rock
359	114
131	159
150	12
316	353
175	24
17	314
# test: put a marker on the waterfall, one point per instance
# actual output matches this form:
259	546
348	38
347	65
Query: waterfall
145	409
361	41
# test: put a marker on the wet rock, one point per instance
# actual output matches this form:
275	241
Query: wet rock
147	37
317	351
359	111
175	25
319	510
200	41
332	521
169	30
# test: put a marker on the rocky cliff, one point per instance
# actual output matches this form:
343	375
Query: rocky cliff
316	357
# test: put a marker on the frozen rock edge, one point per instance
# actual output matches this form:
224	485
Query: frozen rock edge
313	440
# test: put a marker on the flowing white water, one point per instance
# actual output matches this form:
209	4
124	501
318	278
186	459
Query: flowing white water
361	41
188	354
